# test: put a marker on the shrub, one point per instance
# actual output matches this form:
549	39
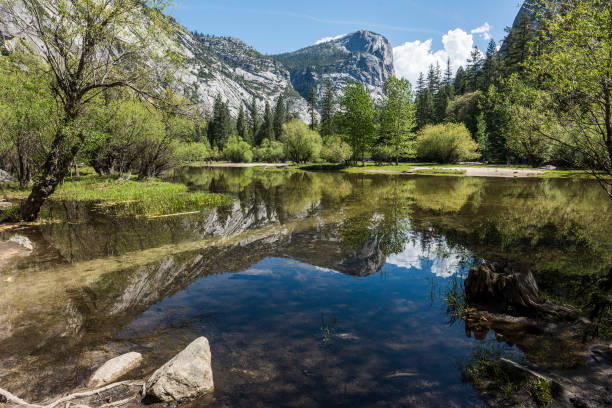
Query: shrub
193	152
336	150
301	143
237	150
383	154
270	152
446	143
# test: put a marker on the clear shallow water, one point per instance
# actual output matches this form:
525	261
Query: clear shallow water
315	289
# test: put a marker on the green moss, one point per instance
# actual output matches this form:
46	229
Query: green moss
541	392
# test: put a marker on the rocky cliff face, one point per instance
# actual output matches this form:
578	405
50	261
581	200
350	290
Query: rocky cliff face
236	71
361	56
229	67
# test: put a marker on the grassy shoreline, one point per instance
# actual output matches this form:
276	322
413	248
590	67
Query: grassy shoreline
122	197
430	169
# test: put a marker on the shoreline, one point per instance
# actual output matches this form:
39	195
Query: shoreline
428	169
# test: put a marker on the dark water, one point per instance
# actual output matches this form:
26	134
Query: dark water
314	289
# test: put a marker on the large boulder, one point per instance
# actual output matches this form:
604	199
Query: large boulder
114	369
188	375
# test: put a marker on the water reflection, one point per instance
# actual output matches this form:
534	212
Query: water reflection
256	276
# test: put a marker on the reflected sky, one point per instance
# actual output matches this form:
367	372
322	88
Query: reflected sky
288	333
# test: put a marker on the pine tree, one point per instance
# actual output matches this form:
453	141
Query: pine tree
461	82
420	85
448	73
328	110
490	67
279	117
424	108
517	45
220	127
241	124
473	70
266	131
433	80
254	121
312	107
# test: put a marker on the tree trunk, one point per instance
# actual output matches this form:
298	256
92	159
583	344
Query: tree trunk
55	169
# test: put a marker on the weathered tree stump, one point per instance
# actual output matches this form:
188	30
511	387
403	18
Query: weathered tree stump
502	288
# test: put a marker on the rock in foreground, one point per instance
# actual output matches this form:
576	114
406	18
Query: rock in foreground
114	369
187	375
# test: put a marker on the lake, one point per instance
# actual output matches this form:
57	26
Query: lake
313	288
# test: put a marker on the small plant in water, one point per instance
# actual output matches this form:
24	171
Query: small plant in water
456	302
327	331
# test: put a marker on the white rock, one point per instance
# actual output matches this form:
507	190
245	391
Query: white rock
4	175
5	205
187	375
23	241
114	369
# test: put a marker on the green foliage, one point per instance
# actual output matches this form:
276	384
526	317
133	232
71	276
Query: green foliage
27	115
335	150
525	138
254	122
465	109
446	143
266	130
270	152
238	151
328	110
358	119
494	121
571	67
382	154
397	116
193	152
301	143
517	46
280	117
241	124
312	107
485	371
541	392
221	127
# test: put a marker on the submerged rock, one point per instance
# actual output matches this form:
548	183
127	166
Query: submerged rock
114	369
188	375
23	241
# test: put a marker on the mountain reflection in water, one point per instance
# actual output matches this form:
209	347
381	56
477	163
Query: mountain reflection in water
315	289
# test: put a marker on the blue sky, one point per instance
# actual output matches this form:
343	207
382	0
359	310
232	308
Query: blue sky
417	28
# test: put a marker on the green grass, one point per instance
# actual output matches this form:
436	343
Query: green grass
150	198
127	197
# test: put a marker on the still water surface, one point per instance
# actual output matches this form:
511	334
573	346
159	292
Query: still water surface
314	289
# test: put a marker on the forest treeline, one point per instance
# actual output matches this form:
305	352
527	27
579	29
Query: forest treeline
79	92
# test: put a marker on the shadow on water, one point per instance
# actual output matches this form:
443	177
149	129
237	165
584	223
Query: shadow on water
315	289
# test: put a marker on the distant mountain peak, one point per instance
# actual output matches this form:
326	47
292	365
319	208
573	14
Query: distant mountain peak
361	56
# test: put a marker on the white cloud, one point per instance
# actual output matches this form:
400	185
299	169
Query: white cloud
328	39
439	259
484	30
414	57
